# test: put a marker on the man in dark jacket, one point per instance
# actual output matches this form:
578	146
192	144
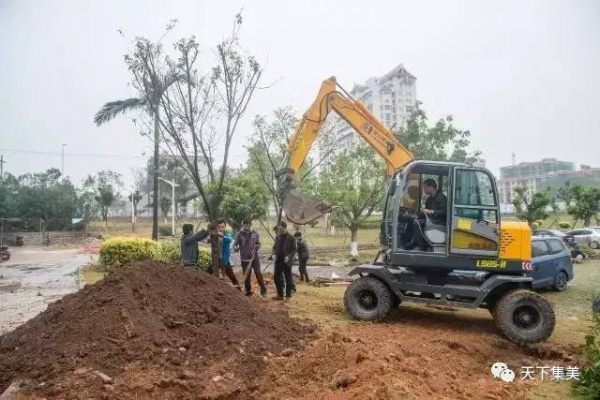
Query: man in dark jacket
436	208
247	242
284	250
189	245
302	256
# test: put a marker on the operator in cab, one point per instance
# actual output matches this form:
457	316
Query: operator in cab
436	208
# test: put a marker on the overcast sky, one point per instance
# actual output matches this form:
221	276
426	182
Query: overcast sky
522	76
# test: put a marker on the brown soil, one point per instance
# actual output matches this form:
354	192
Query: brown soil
149	331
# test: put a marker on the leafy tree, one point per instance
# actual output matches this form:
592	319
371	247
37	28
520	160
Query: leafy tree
355	184
134	199
586	203
440	142
9	187
244	198
534	208
105	186
565	193
87	206
47	197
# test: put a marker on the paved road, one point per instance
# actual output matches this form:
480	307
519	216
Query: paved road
33	278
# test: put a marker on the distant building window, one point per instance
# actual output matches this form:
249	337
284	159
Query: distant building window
409	109
388	107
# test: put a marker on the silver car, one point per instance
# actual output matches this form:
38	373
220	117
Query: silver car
588	236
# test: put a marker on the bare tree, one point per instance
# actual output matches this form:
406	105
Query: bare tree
202	112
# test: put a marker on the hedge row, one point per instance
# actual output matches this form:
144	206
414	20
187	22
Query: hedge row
119	251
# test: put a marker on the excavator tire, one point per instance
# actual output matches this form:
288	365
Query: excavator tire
524	317
368	299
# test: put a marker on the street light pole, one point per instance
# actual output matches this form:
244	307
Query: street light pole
173	185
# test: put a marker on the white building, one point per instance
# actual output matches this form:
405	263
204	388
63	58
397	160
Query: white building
391	98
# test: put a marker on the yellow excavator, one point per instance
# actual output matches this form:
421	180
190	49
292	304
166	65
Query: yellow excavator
474	259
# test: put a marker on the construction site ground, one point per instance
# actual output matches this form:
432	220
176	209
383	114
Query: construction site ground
418	352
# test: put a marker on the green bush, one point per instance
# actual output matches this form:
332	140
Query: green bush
204	259
169	251
165	230
120	251
539	222
564	225
589	384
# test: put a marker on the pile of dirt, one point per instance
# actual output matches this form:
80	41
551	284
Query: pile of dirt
187	333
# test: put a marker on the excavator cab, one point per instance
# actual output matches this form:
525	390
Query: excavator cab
473	237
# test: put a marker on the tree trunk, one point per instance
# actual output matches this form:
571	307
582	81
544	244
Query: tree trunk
354	242
155	175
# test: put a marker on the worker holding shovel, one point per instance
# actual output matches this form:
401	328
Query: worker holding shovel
247	242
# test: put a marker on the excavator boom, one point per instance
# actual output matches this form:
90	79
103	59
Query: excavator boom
302	210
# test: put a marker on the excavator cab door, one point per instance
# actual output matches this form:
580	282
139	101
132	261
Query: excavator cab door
475	218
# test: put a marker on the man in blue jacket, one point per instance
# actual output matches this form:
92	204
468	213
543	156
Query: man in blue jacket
226	260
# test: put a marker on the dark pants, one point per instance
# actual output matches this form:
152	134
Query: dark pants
283	278
303	272
228	270
256	268
418	226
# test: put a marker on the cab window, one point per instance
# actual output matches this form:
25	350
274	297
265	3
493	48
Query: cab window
474	196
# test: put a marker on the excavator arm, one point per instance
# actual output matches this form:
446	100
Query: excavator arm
302	210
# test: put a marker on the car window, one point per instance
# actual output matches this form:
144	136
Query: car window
555	246
539	248
576	233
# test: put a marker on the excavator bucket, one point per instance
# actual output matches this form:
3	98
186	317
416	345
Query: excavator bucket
299	209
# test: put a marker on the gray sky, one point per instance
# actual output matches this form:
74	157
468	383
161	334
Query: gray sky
522	76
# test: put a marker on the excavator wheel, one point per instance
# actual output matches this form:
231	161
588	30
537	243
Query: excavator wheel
368	299
524	317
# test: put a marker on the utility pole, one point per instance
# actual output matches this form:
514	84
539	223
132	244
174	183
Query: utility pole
173	185
2	162
62	151
513	157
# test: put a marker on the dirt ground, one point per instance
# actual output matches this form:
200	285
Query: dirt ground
419	352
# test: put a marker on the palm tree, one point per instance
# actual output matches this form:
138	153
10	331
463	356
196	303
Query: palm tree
154	89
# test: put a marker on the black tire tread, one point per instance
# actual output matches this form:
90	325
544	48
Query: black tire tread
503	317
554	284
384	299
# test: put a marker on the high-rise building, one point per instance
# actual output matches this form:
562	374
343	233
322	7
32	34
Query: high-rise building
530	175
391	98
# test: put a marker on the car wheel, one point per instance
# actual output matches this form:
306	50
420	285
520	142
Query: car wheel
368	299
561	280
595	244
524	317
